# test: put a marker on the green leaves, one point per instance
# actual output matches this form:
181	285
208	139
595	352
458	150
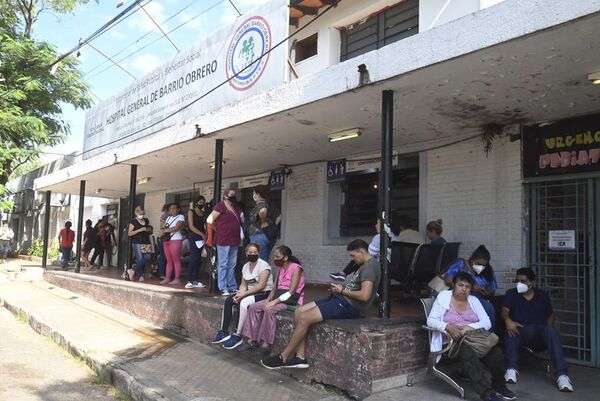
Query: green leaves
31	95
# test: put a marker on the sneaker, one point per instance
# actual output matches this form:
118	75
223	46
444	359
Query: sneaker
506	394
165	281
221	337
233	342
189	285
246	347
494	397
296	363
200	285
273	362
141	279
225	294
175	282
564	383
340	276
511	376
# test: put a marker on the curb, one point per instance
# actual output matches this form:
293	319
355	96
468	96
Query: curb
113	372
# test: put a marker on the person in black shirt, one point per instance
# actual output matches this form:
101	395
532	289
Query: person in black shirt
528	315
139	232
197	235
90	240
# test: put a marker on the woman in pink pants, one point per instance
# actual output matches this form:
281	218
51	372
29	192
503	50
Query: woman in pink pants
172	239
287	290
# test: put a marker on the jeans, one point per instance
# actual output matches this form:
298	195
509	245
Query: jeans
264	244
140	259
66	256
4	248
538	337
162	259
227	259
98	253
488	307
195	257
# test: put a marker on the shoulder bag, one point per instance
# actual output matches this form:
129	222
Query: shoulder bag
237	217
480	340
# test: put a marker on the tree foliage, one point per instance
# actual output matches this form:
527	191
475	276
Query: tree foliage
31	92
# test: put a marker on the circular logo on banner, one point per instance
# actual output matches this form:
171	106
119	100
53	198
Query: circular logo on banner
249	42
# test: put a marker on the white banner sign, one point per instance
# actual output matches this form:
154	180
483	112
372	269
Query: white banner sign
561	240
192	74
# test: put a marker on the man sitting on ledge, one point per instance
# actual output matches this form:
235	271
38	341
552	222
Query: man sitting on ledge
347	301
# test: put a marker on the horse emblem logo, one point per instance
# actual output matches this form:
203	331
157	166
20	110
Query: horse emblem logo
248	53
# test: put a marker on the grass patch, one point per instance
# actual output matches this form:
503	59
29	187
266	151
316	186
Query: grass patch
22	317
111	390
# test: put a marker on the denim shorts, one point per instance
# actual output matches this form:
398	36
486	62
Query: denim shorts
336	307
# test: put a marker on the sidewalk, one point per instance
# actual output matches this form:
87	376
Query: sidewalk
152	364
143	361
34	369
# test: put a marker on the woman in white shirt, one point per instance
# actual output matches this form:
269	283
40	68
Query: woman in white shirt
257	282
172	239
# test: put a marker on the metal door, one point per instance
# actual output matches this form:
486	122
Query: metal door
569	275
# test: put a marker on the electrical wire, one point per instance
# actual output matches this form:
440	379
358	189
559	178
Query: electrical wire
155	40
143	36
333	4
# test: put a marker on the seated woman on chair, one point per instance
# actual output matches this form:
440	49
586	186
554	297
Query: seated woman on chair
484	280
456	312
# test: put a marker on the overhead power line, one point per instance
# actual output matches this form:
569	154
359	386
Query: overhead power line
333	4
156	40
142	37
159	28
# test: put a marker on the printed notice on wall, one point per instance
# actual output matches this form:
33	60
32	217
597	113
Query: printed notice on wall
561	240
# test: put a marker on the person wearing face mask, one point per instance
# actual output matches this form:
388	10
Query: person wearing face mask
288	289
256	284
197	235
529	320
258	221
485	285
140	242
226	219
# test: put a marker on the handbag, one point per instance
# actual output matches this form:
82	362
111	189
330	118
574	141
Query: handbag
146	248
480	340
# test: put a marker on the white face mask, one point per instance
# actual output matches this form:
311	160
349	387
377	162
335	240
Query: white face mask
522	288
140	216
478	269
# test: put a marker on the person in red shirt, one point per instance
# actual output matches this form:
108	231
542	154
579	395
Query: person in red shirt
66	236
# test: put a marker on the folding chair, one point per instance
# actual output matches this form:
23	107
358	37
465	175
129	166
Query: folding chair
432	364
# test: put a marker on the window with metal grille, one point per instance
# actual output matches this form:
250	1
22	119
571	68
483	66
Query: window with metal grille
393	24
360	196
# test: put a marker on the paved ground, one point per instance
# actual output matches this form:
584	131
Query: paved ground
153	364
32	368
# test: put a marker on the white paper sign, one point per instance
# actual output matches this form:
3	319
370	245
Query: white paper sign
192	74
561	240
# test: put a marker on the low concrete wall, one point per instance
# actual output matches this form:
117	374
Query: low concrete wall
358	356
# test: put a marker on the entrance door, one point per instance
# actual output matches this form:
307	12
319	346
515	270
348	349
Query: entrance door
563	251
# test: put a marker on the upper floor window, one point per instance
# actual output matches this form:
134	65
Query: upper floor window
306	48
395	23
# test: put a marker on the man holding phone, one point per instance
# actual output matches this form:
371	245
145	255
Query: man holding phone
350	300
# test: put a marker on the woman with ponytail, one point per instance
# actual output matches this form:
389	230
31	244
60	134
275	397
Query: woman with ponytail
66	236
288	289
